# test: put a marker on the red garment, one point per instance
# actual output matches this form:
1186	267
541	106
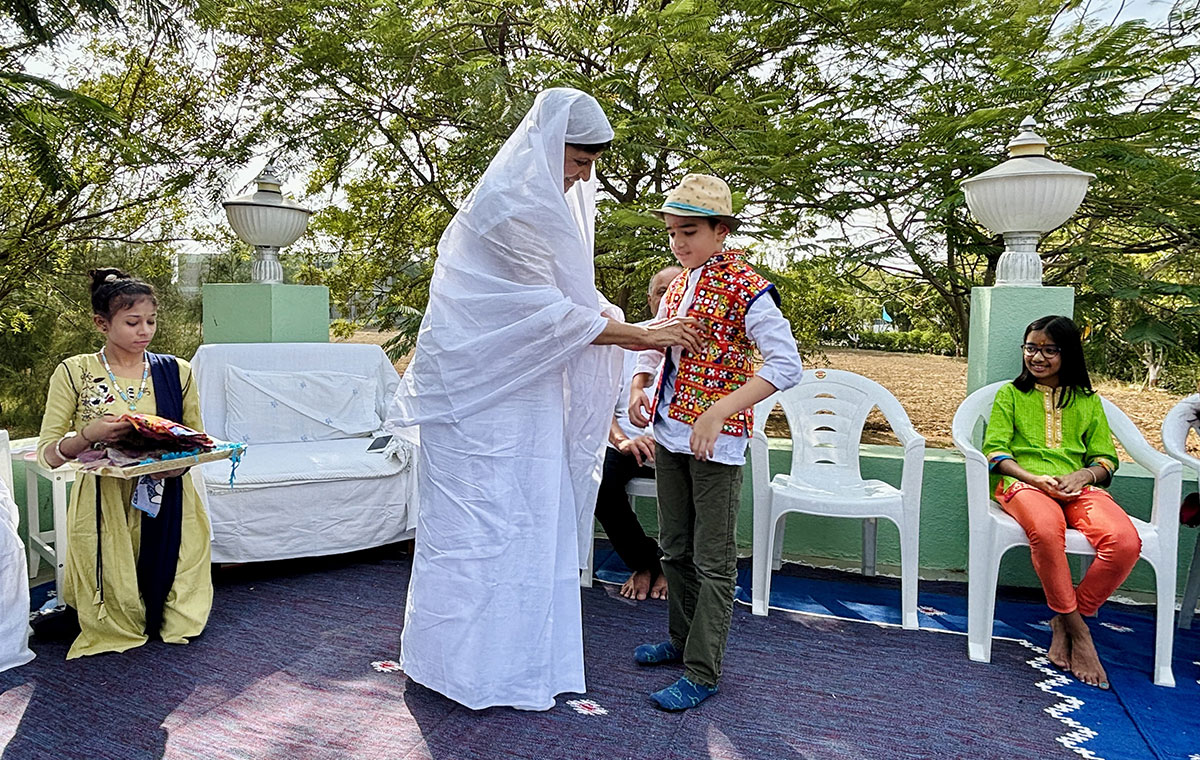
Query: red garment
1094	514
724	292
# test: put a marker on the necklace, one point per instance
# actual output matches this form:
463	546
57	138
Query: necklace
113	378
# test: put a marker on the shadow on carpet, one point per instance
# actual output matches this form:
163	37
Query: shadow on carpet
1133	720
294	664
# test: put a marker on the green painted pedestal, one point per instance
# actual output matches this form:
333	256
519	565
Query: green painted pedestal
999	316
260	313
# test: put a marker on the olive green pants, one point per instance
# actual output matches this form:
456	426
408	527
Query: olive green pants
697	523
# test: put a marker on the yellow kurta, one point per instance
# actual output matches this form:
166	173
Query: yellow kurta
79	393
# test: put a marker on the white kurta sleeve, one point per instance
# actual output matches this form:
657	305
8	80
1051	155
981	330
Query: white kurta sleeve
771	332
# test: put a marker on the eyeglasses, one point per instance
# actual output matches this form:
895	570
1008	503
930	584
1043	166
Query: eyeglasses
1049	352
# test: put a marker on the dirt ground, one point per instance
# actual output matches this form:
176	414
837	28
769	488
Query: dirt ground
930	388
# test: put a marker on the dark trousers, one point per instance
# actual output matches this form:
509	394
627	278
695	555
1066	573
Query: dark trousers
697	528
637	550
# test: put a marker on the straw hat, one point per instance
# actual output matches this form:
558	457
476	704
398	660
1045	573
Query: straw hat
701	195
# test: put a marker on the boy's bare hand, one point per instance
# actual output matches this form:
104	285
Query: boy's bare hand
704	435
639	408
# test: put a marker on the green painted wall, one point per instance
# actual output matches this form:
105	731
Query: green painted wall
999	316
261	313
832	541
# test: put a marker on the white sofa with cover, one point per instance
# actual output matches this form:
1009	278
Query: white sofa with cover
307	485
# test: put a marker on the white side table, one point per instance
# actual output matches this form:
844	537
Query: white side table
50	544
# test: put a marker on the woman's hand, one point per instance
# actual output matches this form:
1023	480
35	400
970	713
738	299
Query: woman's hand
106	429
704	435
686	332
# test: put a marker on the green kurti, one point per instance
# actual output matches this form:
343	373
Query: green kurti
79	393
1046	440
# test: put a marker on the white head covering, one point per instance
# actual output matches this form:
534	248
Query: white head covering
513	295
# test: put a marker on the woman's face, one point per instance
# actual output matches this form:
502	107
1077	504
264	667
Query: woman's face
1043	357
577	165
132	328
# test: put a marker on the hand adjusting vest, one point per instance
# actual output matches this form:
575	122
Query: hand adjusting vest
724	292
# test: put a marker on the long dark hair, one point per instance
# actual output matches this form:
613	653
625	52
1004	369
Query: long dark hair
1072	369
113	290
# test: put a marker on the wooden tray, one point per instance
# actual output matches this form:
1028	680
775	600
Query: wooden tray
163	465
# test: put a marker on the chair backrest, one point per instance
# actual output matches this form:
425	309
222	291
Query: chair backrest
970	419
973	413
826	412
1180	421
211	360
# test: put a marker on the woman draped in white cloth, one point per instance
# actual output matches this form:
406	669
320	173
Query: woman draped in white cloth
513	384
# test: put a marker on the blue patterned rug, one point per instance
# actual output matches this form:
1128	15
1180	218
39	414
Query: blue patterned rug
1134	719
298	662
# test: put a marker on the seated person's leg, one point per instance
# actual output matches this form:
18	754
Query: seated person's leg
638	551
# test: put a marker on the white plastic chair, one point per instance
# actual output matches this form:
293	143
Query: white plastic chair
1175	429
826	412
993	532
644	487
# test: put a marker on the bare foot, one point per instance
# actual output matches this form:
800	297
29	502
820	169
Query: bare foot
659	589
638	585
1085	660
1060	644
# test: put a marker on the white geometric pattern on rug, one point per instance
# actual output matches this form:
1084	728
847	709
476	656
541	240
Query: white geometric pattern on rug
386	666
1117	628
586	707
1079	733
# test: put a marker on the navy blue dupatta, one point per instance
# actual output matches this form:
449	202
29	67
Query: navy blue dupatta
159	552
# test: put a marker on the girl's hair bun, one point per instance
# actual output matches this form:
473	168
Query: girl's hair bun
113	290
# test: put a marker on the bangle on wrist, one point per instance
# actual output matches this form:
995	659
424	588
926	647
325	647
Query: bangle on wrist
1092	472
89	441
58	450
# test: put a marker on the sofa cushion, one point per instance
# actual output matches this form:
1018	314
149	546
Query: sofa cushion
279	463
314	405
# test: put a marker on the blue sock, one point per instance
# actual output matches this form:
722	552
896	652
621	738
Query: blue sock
657	654
682	694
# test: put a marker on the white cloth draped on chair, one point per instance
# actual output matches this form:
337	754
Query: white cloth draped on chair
14	580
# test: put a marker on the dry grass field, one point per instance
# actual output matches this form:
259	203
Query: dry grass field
930	388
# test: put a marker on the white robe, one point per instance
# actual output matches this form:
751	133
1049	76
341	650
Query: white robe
513	404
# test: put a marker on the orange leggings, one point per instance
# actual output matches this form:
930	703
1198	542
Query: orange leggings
1106	527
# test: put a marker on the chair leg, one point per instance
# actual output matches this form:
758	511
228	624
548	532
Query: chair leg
777	554
585	576
760	561
1192	590
983	575
909	568
870	531
1164	638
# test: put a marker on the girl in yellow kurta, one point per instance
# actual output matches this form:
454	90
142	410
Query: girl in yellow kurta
87	395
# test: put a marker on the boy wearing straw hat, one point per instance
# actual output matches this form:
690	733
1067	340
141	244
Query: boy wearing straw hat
702	416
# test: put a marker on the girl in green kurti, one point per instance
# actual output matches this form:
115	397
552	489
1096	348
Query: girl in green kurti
87	395
1051	450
